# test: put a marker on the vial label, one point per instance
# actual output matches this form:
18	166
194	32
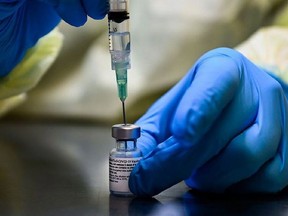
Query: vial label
119	172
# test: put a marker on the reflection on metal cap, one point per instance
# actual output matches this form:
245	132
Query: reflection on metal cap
125	131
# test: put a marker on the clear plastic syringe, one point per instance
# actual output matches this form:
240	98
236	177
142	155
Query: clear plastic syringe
119	43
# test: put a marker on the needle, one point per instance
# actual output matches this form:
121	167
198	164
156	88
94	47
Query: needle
124	113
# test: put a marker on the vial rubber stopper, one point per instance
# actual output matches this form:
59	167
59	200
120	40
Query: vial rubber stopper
125	131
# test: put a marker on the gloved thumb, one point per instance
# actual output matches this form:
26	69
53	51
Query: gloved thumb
156	171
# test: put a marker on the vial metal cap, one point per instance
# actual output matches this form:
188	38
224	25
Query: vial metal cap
125	131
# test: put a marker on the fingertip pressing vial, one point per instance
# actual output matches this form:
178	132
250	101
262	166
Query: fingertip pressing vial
123	158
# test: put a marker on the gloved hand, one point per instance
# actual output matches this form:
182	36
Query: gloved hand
23	22
224	126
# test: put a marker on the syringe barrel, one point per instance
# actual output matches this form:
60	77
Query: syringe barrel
119	35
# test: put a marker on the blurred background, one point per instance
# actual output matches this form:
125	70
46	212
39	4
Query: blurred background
167	37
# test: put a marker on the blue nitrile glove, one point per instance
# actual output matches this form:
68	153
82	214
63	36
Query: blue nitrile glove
224	126
23	22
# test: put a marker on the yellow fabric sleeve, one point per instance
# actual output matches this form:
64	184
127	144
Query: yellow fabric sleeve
268	47
29	71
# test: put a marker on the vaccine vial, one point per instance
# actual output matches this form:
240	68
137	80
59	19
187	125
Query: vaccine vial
123	158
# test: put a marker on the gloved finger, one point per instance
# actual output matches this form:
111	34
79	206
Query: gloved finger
273	176
247	152
96	9
215	84
217	78
71	11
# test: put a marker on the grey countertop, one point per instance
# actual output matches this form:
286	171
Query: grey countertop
62	169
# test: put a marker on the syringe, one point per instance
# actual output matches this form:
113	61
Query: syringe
119	44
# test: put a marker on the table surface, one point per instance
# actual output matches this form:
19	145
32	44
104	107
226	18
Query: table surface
49	169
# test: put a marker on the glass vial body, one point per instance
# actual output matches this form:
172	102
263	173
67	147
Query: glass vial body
123	158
